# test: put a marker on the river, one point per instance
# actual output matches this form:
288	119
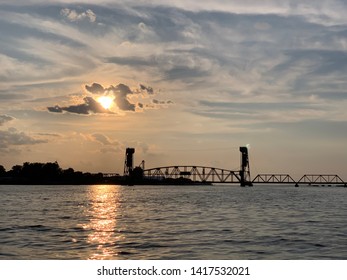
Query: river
173	222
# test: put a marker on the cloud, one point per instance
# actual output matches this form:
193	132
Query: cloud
4	119
221	47
14	137
133	61
73	15
174	64
103	139
50	134
121	97
156	101
89	106
121	93
248	113
55	109
108	145
149	90
95	88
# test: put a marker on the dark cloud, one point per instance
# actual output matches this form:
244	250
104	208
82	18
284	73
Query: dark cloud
121	91
95	88
55	109
161	102
148	89
124	104
90	106
156	101
4	119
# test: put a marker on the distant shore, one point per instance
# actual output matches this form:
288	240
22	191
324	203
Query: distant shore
51	174
97	181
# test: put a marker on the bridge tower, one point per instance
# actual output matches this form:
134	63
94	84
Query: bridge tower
129	161
245	174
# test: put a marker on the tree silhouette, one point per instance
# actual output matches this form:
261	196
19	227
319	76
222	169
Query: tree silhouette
2	171
16	171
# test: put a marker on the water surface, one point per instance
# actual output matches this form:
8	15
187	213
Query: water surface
172	222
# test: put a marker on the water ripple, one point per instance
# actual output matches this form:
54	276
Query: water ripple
176	222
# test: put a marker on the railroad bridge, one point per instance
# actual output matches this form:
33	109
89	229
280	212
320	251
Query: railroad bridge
205	174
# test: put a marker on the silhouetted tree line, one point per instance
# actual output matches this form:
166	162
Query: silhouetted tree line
47	173
50	173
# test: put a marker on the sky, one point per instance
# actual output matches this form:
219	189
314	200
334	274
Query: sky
183	82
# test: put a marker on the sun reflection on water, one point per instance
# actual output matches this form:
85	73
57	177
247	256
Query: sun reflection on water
103	213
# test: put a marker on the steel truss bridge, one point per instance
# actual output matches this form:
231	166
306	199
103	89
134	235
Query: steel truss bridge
308	179
273	179
218	175
206	174
321	180
194	173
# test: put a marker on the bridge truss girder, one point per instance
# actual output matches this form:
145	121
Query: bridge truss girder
321	179
273	179
194	173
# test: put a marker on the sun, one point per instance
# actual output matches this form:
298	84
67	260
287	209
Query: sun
105	101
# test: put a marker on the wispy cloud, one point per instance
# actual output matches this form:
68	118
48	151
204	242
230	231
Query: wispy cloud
73	15
4	119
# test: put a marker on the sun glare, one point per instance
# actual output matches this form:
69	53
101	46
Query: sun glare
105	101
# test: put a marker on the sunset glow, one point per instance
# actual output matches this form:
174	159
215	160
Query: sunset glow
105	101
